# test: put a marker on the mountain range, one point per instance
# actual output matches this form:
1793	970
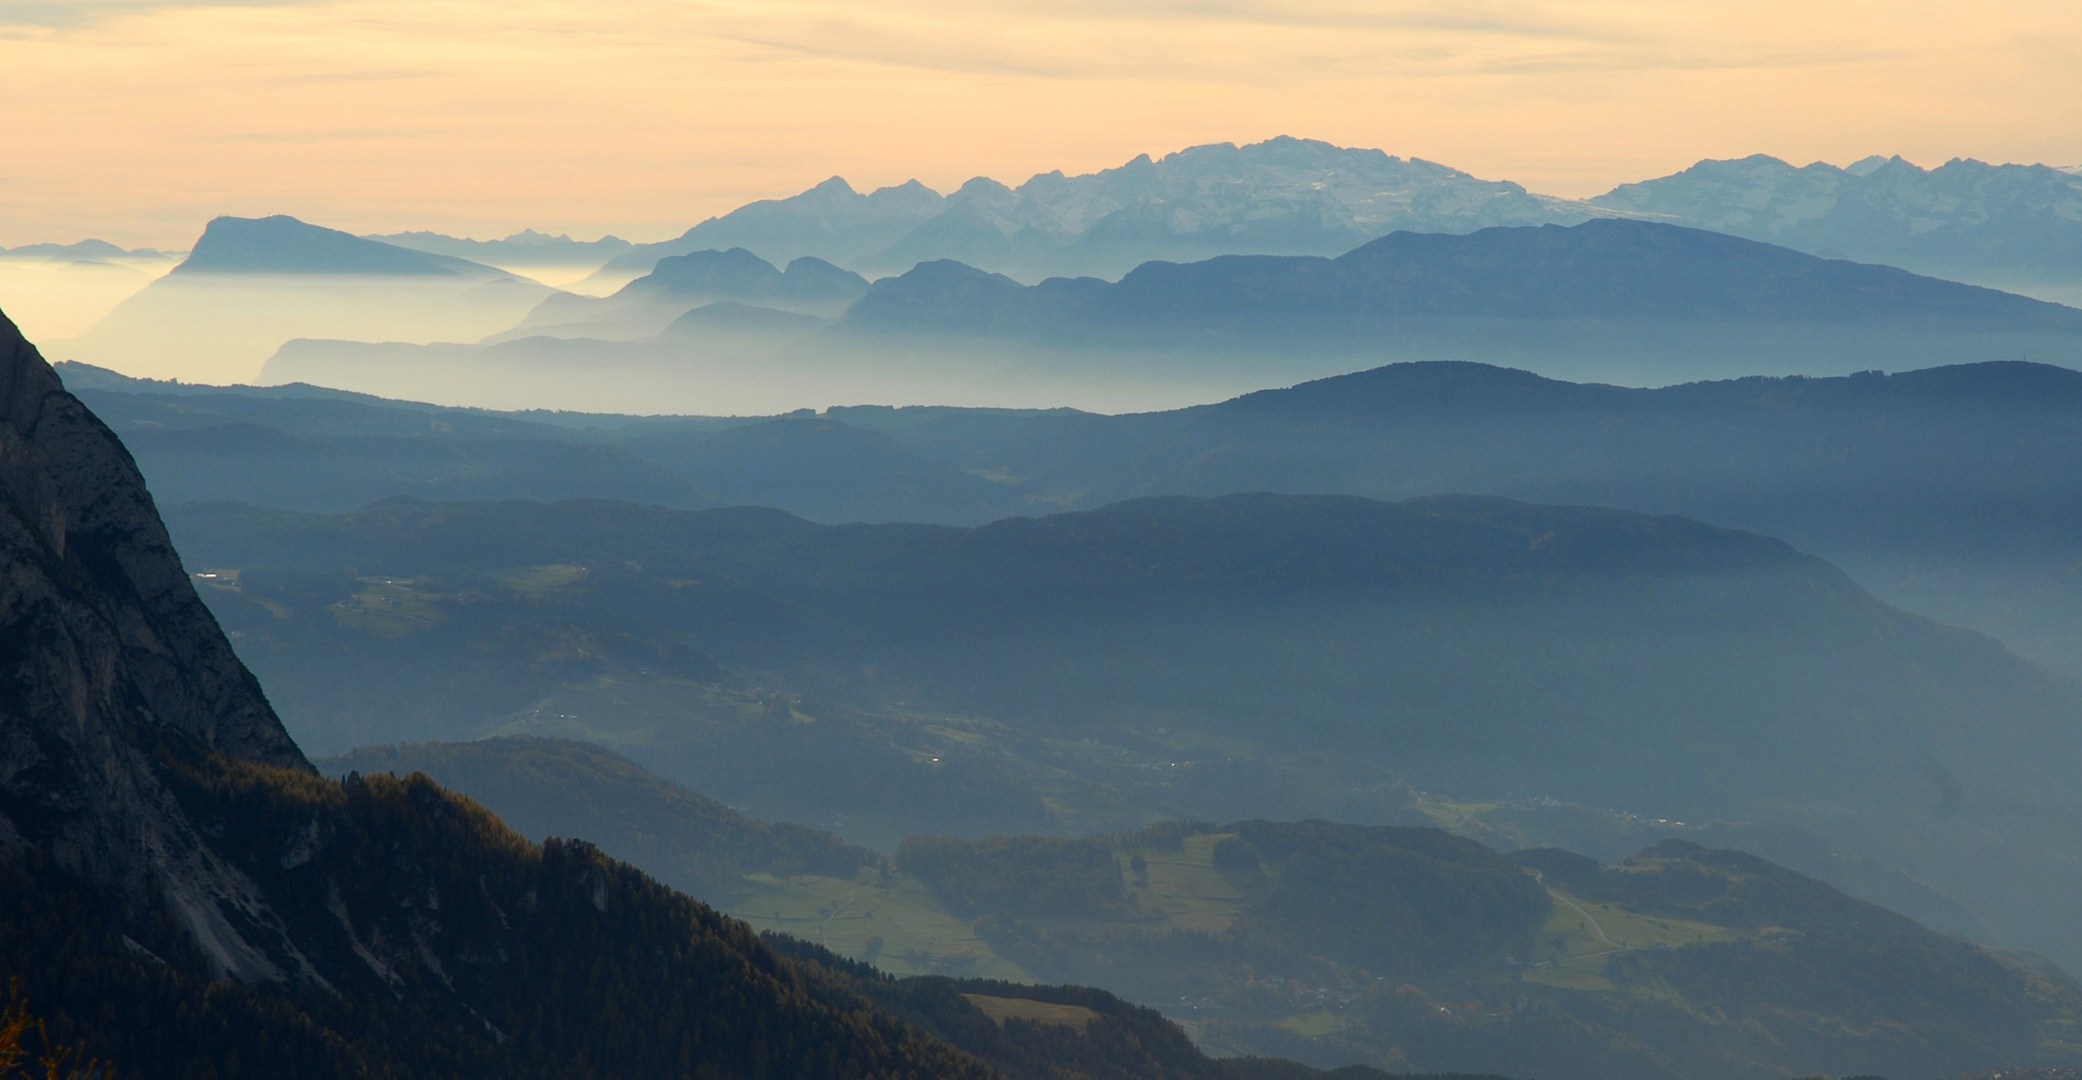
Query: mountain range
1948	491
82	250
1945	490
1281	196
2006	225
2014	226
2010	226
1998	225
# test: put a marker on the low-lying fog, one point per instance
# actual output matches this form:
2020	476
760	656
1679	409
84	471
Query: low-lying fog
54	299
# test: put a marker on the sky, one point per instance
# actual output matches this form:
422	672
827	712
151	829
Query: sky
138	120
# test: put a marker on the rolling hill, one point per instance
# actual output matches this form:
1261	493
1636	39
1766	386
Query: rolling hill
1337	943
1261	653
1948	491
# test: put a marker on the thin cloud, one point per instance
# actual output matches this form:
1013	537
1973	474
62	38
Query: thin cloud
1457	18
329	78
309	137
852	41
70	14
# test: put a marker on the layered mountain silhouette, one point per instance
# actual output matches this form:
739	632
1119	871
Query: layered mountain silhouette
2015	226
1606	270
679	284
1608	300
83	250
2007	226
1949	490
526	248
1283	196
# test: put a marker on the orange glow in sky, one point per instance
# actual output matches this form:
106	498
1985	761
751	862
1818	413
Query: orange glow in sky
137	120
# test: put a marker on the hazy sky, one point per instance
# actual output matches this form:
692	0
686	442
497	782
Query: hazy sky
137	120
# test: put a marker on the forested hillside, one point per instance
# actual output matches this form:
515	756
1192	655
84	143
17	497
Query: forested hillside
1249	655
1948	491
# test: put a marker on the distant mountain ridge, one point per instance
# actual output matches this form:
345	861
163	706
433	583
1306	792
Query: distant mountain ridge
678	284
525	248
1284	195
1966	219
1602	269
2008	225
83	249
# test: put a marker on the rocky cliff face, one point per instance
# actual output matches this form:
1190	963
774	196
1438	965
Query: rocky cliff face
105	647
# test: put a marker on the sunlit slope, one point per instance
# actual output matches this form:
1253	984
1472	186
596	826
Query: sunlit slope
1409	947
1403	947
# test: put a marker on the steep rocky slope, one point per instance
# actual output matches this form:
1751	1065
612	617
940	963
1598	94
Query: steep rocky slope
106	643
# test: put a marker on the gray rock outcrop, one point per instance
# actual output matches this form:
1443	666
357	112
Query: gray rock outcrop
105	649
